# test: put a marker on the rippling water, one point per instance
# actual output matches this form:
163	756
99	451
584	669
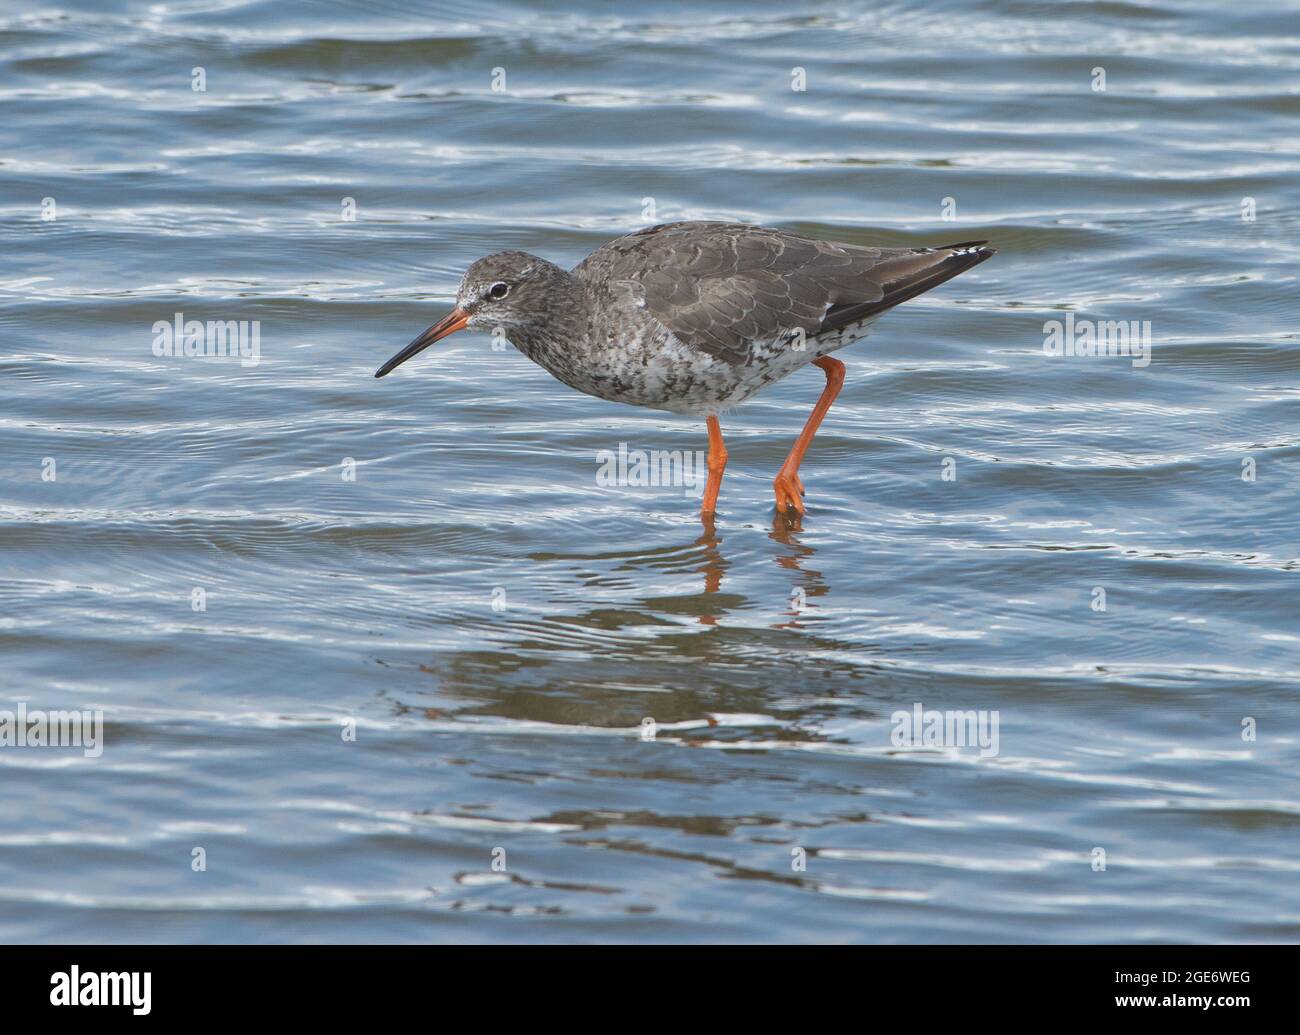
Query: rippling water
496	624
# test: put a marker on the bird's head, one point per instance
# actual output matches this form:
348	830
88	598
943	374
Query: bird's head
513	291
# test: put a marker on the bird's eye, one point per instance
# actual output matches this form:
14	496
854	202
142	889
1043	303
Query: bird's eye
498	290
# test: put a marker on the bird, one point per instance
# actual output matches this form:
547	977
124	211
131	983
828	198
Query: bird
696	317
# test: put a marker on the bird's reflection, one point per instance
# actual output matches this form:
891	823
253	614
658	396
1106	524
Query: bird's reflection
714	563
786	529
787	526
615	633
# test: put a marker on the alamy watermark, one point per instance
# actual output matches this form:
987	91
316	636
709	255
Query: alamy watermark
675	468
946	729
1072	337
38	728
72	987
216	339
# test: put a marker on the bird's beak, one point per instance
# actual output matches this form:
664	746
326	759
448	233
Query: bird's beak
454	321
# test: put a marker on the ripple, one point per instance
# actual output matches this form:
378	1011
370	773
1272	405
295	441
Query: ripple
387	679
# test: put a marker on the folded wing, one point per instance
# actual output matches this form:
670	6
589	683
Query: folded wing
721	287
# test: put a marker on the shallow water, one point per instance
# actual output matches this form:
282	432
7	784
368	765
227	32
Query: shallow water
495	624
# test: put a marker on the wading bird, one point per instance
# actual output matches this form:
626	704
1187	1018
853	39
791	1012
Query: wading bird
696	317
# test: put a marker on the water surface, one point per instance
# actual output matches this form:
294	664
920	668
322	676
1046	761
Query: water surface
495	624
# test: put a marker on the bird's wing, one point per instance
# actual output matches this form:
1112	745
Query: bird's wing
720	287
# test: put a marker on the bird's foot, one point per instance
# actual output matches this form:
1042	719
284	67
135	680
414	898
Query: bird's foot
789	492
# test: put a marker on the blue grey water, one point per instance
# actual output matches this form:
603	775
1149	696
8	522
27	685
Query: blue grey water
374	657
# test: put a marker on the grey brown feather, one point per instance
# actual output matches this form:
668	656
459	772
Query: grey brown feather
695	317
721	287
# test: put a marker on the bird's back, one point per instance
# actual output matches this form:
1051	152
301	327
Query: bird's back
724	288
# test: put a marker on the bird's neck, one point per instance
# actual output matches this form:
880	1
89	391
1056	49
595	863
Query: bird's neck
560	336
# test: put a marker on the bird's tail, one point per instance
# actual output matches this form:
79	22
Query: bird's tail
909	272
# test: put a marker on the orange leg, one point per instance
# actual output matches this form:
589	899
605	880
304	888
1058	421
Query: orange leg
789	489
717	461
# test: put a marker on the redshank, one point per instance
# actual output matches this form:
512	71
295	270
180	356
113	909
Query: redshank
696	317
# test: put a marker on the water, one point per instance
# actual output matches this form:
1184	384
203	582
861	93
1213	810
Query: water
770	655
